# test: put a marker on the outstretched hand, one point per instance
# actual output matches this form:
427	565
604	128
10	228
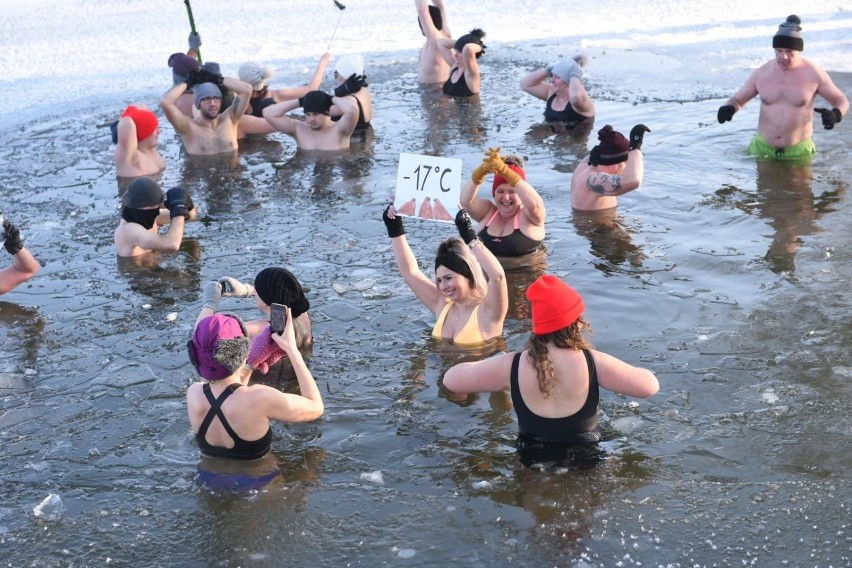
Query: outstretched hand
486	167
637	135
726	113
829	117
392	224
464	224
231	287
352	85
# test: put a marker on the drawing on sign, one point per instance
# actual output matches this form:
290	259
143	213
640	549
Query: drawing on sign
428	187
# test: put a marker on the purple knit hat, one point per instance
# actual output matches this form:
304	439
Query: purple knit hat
219	346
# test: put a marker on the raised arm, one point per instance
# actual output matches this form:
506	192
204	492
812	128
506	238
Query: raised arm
127	146
534	208
426	290
280	95
471	65
488	375
289	407
242	97
496	301
533	83
348	118
276	115
579	97
618	184
618	376
23	267
168	103
469	199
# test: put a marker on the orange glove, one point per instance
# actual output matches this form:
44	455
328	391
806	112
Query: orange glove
499	167
485	168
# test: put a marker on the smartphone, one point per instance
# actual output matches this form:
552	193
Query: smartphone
278	318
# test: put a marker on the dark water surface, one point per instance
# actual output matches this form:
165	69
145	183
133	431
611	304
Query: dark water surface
726	277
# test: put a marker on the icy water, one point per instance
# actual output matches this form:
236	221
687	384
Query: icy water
727	277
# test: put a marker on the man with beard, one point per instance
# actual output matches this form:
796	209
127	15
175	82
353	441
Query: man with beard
141	217
209	132
317	132
787	86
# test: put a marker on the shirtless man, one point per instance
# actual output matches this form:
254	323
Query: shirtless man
138	233
23	266
432	67
210	132
317	132
136	152
787	86
614	167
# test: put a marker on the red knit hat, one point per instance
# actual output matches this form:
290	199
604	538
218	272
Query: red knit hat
555	304
500	180
146	121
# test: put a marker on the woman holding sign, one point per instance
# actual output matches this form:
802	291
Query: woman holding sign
470	310
512	224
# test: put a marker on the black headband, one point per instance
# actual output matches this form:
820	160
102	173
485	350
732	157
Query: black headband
455	263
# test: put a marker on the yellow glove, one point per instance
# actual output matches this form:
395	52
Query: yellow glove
498	166
485	168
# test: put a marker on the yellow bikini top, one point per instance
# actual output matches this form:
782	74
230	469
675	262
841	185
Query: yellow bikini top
469	334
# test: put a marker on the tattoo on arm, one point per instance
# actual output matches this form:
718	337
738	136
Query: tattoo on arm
604	184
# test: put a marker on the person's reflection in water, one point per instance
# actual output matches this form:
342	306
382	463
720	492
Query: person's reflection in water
609	239
569	143
450	121
20	327
785	199
522	271
166	278
218	180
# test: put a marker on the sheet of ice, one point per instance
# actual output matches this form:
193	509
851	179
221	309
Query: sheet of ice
58	53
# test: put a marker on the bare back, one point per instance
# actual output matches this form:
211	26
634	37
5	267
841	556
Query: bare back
583	194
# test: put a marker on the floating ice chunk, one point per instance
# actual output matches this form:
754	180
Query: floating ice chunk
50	509
374	477
406	553
769	396
172	316
481	484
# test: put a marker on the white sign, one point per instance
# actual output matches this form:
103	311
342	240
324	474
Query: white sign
428	187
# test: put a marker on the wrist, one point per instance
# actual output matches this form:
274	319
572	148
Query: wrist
474	243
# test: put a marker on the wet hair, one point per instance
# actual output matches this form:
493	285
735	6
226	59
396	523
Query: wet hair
570	337
474	36
455	247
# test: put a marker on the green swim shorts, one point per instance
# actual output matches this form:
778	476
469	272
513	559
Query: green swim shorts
760	148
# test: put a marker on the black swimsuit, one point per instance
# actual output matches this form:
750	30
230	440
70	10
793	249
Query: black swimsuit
580	427
567	116
457	89
514	244
361	124
242	449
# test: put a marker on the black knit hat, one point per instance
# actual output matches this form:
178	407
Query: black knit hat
789	35
277	285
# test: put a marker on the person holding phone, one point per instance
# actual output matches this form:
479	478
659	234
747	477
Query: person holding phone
554	381
230	419
469	308
272	285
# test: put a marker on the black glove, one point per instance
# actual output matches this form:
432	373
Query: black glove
829	117
14	243
178	202
352	85
726	113
637	134
197	76
595	156
394	226
465	226
113	131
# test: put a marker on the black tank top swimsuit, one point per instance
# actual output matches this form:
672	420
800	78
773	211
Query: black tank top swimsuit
361	124
457	89
568	116
242	449
581	427
514	244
